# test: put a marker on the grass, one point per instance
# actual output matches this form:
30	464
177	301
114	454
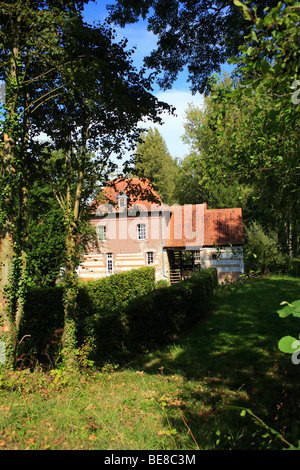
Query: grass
181	397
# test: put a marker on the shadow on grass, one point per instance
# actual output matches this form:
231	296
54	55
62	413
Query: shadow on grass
232	358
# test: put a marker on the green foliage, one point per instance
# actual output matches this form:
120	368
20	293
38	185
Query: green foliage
197	35
268	69
46	248
116	316
43	322
109	293
270	58
230	359
267	434
58	76
99	307
295	267
161	283
263	251
153	161
155	318
246	137
290	344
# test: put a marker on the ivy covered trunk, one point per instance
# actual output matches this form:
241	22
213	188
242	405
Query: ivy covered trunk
10	201
72	216
9	182
70	302
12	260
7	326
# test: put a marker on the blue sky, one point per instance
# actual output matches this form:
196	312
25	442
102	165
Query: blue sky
179	96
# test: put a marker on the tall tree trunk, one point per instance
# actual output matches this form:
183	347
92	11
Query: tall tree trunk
7	326
7	323
70	285
70	301
22	218
9	175
71	280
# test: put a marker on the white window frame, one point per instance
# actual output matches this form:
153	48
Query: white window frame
109	263
141	232
122	201
101	232
150	258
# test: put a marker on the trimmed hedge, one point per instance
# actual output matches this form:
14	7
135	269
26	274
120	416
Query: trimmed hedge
119	315
43	317
149	319
154	319
109	293
102	310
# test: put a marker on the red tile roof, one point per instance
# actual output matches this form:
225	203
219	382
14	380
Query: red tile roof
138	190
222	227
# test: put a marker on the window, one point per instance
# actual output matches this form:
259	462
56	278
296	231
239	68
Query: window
141	231
101	232
214	257
109	263
122	201
150	258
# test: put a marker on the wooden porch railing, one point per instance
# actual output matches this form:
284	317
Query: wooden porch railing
175	276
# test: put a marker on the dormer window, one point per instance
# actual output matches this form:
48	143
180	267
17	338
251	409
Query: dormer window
122	201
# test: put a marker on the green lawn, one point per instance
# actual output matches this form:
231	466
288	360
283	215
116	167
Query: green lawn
181	397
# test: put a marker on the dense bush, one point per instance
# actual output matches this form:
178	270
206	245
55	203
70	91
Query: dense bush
102	307
109	293
42	323
161	283
153	319
295	267
43	317
118	315
263	252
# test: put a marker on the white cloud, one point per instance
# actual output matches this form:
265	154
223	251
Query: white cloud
173	127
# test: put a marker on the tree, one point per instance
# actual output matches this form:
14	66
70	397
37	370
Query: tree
267	69
72	81
153	161
199	178
98	114
200	35
30	40
263	252
238	160
46	232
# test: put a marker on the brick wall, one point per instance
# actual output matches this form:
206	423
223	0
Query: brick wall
127	251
